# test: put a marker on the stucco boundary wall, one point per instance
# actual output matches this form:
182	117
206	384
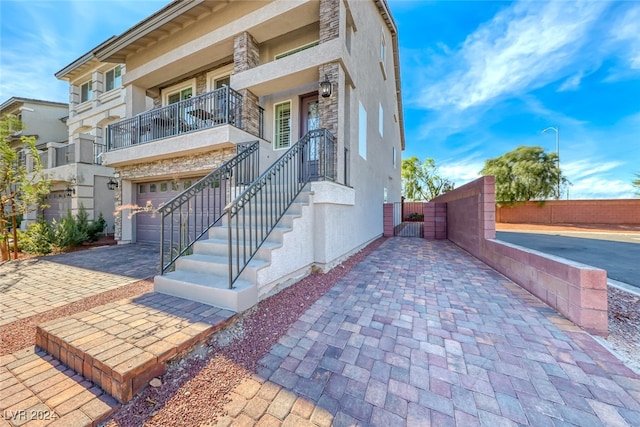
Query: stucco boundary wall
578	291
588	212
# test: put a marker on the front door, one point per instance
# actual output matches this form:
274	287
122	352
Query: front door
310	120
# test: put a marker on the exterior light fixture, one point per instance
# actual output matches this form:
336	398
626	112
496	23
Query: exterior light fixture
112	184
69	191
325	87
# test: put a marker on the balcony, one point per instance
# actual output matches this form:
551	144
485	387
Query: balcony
220	107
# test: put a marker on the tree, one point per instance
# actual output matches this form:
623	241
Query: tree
526	173
636	183
420	181
21	191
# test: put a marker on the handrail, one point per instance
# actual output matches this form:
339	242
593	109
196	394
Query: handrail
253	215
219	107
189	215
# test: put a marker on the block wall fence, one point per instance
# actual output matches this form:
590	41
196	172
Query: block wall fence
620	212
466	216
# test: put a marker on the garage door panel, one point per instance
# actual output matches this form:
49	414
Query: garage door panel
192	216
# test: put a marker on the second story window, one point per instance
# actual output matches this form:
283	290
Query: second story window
180	95
113	78
86	91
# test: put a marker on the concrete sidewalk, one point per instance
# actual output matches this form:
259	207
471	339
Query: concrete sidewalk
421	333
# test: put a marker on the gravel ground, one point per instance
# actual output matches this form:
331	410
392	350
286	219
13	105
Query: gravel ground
195	389
624	327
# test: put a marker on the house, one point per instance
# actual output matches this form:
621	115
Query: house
274	137
46	122
96	98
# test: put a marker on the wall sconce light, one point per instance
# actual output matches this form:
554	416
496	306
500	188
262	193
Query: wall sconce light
325	87
112	184
69	191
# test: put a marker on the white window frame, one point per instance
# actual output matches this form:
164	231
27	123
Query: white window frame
380	119
167	92
395	158
106	78
275	124
217	74
362	131
296	50
89	91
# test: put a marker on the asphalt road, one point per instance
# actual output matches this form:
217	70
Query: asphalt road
619	254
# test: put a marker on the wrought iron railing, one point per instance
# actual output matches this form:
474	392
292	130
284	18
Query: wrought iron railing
219	107
254	214
189	216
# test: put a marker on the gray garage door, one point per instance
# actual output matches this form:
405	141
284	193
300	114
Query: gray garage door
156	193
58	203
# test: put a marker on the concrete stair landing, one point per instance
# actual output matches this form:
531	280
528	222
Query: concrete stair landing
122	345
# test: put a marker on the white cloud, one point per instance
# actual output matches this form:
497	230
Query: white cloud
580	169
601	188
572	83
525	46
627	32
461	171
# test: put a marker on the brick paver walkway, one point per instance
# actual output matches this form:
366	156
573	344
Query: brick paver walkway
34	286
421	333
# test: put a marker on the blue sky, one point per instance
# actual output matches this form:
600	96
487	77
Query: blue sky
478	78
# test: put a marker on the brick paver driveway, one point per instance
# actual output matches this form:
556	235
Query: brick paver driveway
36	285
421	333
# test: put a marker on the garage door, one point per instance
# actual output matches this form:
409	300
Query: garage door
58	203
158	193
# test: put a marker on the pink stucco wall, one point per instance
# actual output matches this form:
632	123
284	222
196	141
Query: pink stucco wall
578	291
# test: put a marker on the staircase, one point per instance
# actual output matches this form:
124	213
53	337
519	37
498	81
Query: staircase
203	276
257	243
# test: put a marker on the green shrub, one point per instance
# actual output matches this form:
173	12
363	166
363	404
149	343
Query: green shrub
96	228
37	238
67	234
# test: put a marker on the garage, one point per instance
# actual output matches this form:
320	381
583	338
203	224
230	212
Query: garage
58	205
155	193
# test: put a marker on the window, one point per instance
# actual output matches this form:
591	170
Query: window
296	50
141	188
282	138
380	120
152	188
114	78
222	82
86	91
180	95
362	131
163	187
395	156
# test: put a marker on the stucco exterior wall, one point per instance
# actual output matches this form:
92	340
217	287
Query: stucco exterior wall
45	122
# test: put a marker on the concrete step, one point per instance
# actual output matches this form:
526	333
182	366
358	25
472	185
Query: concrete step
212	289
213	264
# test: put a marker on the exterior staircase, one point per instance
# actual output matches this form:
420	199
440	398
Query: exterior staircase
233	236
203	276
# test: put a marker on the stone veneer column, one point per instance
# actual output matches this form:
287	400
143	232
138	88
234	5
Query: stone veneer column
246	54
329	20
250	112
329	106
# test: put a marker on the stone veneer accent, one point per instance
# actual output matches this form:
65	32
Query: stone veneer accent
329	20
329	106
202	163
250	112
246	54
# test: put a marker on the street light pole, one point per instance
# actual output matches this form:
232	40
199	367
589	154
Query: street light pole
556	129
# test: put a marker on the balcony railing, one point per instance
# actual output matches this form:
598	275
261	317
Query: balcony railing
220	107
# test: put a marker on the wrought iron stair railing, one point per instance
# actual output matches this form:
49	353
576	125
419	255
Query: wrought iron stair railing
254	214
189	216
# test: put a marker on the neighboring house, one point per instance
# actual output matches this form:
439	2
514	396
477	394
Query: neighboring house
223	75
46	122
96	98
